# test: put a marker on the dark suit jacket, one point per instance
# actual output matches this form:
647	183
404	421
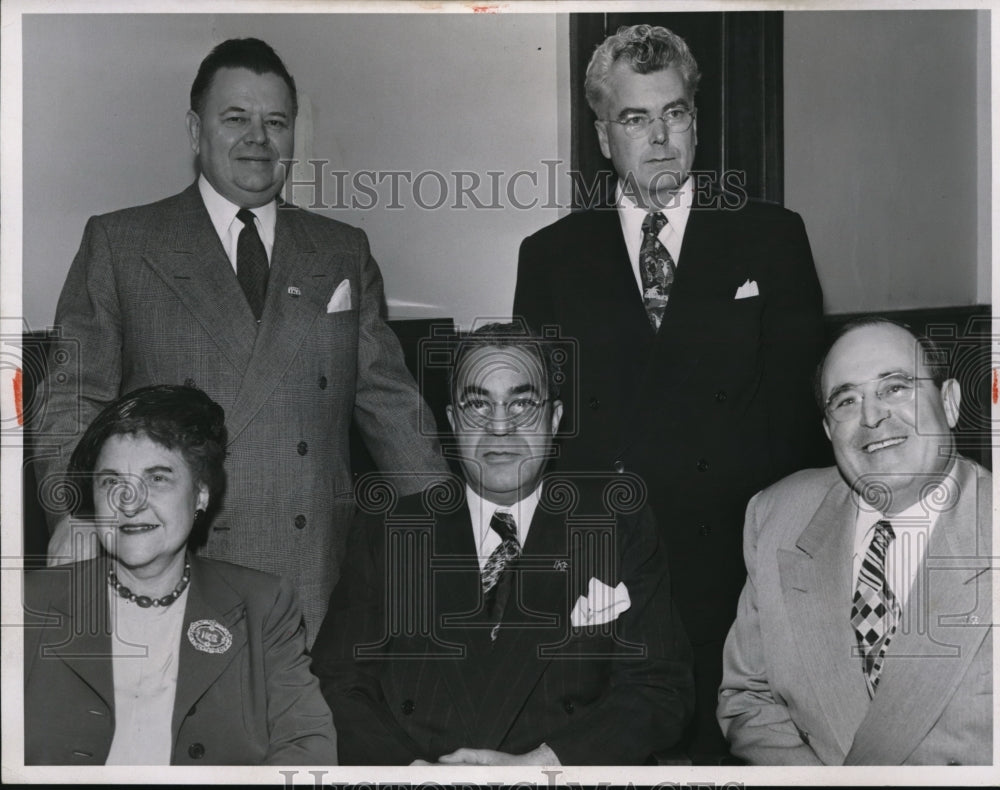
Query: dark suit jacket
151	298
408	670
256	703
793	691
712	408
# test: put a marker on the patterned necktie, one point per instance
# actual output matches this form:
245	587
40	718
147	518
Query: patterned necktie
875	610
251	263
498	574
656	268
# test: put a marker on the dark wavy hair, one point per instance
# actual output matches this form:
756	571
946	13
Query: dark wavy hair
240	53
180	418
509	335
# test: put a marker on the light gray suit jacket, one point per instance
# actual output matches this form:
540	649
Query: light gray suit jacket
151	298
793	691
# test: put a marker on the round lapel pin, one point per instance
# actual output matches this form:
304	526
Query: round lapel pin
209	636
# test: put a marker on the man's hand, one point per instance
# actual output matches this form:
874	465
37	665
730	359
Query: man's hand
542	755
72	543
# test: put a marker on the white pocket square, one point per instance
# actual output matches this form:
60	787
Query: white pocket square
748	289
602	604
341	299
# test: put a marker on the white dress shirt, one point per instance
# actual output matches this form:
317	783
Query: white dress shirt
912	528
145	652
672	235
223	215
481	511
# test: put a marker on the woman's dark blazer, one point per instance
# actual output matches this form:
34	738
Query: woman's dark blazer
255	702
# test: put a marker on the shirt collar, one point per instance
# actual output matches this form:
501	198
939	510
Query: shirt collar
923	513
222	212
677	212
481	511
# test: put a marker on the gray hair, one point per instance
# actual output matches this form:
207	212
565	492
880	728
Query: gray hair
645	49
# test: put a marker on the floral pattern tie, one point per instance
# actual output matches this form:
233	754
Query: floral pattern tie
498	574
656	269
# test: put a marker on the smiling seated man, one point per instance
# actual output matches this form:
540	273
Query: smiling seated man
863	634
510	617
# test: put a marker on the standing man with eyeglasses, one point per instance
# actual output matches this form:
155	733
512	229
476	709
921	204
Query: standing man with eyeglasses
864	629
698	319
509	618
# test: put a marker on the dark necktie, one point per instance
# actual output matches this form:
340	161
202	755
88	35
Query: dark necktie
875	610
251	263
498	574
656	269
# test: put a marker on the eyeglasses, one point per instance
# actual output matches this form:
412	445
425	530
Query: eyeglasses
895	389
676	119
519	411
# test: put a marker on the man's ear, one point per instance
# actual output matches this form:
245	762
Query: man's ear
557	413
194	128
602	137
951	397
450	412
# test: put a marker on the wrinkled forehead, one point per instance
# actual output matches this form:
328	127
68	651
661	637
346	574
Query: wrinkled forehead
498	370
870	352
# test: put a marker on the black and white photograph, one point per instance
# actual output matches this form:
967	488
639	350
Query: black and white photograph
552	393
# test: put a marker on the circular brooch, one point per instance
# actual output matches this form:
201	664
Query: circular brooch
209	636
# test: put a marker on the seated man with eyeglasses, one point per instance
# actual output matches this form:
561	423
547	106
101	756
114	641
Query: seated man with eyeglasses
507	618
863	632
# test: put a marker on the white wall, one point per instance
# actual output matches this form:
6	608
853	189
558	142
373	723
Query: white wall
886	146
104	104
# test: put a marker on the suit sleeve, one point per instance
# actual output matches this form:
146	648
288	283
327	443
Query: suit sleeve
398	427
792	342
84	370
532	296
756	723
299	723
369	734
648	700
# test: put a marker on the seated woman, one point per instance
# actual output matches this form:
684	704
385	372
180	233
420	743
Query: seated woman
148	654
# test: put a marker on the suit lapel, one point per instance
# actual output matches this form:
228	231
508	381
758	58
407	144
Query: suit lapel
85	633
456	592
300	283
209	599
515	663
188	256
929	656
816	584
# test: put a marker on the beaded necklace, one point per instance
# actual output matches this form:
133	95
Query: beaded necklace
144	601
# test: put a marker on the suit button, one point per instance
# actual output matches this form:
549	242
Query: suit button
595	403
407	707
720	396
196	751
322	382
704	530
619	466
954	762
804	736
568	706
300	521
188	382
303	448
702	465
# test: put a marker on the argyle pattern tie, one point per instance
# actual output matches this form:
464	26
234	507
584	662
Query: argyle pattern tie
498	573
875	610
656	268
251	263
